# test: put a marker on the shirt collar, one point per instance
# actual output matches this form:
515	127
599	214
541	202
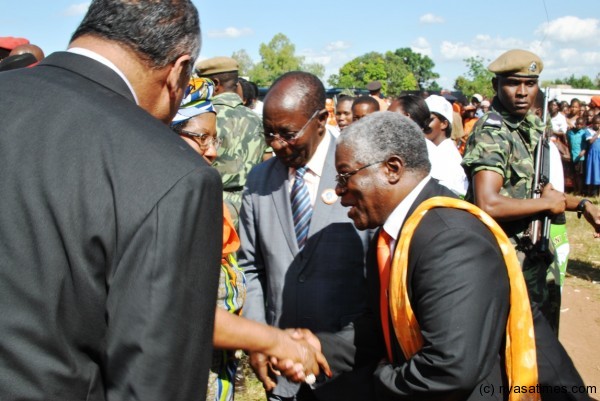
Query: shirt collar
396	219
101	59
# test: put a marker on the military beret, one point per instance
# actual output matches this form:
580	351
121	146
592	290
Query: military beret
517	62
216	65
374	85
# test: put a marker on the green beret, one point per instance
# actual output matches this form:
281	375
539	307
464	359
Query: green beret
216	65
517	62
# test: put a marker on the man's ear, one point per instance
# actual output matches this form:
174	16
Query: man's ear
179	75
495	84
394	168
218	87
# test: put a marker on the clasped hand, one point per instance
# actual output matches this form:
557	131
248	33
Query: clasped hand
297	356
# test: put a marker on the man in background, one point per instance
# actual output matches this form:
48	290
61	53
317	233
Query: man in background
238	127
303	258
500	163
374	89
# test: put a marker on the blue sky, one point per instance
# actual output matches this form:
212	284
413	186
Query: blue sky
564	33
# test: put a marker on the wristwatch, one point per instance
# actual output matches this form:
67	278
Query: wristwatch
581	207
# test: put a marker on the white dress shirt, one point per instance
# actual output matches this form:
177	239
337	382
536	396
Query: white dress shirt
312	177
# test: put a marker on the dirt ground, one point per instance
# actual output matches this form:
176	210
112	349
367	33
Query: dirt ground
580	328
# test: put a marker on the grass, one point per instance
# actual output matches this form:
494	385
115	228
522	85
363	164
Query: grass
584	258
252	389
584	263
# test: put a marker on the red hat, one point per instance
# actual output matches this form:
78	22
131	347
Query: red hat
595	101
10	42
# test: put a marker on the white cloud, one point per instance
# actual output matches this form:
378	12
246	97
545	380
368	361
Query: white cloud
75	10
421	45
488	47
567	54
230	32
570	29
456	51
591	58
431	19
310	57
337	45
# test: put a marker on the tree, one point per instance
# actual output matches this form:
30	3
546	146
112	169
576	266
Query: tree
360	71
399	76
244	61
277	58
398	71
478	79
420	66
583	82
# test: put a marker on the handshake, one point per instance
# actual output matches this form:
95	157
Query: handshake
295	354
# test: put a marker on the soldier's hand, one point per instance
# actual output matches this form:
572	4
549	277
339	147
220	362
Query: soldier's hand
592	215
556	200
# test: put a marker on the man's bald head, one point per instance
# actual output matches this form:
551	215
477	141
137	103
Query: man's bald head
297	91
36	51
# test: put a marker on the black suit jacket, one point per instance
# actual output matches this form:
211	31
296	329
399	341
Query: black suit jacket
458	288
110	231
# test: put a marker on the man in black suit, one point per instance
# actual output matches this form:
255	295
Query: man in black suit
457	284
110	224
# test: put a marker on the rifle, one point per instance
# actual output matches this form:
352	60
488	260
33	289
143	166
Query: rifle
540	227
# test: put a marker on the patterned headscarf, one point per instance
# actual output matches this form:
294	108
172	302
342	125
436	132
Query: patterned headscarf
197	100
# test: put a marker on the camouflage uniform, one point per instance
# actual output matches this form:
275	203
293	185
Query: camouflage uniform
243	147
506	145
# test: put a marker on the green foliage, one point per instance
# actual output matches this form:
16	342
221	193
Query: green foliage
399	76
278	57
478	79
244	61
583	82
360	71
420	66
398	71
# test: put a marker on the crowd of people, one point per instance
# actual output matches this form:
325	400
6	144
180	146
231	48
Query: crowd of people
157	218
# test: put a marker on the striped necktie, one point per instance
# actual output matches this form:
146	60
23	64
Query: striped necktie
301	207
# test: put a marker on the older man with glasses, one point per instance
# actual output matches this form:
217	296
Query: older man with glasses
302	256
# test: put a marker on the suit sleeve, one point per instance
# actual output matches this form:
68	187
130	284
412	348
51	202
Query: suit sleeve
251	261
459	292
162	296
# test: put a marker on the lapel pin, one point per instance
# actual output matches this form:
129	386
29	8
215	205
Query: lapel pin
329	196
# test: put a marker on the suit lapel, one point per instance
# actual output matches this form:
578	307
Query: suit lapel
322	215
282	205
322	212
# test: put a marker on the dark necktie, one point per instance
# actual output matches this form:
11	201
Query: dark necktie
301	207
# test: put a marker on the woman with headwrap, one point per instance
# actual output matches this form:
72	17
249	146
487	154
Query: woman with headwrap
196	123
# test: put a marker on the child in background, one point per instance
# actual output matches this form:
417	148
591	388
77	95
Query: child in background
592	177
578	145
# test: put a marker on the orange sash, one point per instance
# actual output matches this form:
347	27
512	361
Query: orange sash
520	353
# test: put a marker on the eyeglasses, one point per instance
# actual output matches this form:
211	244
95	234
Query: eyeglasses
206	140
342	179
290	137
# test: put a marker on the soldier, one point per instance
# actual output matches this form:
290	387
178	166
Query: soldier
499	161
238	127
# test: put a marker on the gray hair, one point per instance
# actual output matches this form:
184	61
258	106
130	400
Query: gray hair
382	134
159	31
